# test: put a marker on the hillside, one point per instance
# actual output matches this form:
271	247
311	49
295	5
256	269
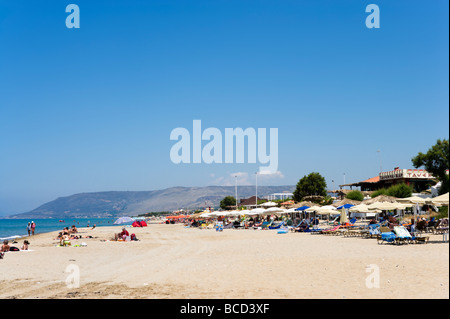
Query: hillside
125	203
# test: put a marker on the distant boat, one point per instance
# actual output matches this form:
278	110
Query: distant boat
61	221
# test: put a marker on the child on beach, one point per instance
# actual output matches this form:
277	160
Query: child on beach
25	245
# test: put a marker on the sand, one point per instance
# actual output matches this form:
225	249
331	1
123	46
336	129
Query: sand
170	261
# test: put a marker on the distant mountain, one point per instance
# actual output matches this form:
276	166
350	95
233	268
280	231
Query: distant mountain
118	203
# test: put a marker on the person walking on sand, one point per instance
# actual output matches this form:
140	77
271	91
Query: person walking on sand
29	229
33	227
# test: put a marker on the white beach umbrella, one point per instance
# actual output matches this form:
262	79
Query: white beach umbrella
273	210
256	211
313	209
439	200
123	220
344	218
269	204
412	200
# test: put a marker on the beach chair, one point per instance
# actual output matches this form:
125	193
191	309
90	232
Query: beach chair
434	228
266	225
403	235
386	235
277	226
331	231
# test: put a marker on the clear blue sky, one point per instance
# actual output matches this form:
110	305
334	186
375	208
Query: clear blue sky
91	109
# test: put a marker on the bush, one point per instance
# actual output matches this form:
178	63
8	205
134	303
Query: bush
379	192
355	195
400	191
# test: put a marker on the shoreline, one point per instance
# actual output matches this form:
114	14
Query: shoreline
171	261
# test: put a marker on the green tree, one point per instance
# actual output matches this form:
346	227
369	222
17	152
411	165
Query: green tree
436	162
227	201
355	195
312	185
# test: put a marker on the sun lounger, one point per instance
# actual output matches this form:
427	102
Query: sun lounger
403	235
386	235
279	225
331	231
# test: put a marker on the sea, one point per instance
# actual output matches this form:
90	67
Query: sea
16	228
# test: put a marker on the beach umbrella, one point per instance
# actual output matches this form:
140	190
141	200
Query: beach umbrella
344	218
123	220
312	209
346	206
441	200
302	208
269	204
257	211
413	200
273	210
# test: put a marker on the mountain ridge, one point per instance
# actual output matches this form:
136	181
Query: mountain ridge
131	203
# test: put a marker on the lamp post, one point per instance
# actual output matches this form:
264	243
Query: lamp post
256	198
235	177
381	168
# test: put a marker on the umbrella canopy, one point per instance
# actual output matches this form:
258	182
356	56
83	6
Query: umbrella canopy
439	200
123	220
363	209
273	210
346	206
413	200
381	198
344	218
387	206
313	209
302	208
346	201
269	204
256	211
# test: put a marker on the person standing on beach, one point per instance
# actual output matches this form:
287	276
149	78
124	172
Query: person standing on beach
29	229
33	227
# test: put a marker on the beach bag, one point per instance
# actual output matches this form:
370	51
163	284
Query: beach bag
14	249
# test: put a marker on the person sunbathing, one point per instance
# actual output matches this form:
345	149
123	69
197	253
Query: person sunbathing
66	240
5	247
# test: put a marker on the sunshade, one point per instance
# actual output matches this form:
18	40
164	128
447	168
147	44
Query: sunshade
269	204
344	218
439	200
123	220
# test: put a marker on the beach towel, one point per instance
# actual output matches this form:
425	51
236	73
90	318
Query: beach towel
402	232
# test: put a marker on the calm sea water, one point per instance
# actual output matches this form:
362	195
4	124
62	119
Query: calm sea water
15	228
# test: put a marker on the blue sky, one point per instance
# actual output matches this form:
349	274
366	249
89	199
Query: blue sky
91	109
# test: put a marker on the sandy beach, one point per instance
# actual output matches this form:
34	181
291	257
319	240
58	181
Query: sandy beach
170	261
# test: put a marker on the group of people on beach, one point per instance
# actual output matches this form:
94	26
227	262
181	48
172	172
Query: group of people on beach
6	247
